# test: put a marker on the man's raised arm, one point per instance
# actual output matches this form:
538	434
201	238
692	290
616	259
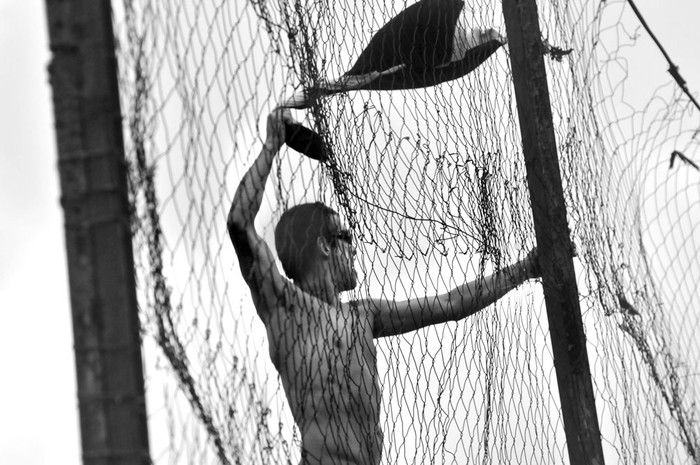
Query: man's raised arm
255	257
391	317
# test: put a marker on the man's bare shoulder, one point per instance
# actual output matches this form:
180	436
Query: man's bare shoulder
365	307
366	310
368	307
269	300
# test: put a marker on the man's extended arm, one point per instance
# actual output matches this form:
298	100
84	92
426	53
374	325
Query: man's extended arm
391	317
255	257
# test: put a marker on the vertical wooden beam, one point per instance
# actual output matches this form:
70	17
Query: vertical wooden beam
83	75
552	231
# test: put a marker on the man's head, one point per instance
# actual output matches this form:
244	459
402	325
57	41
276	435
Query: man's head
310	234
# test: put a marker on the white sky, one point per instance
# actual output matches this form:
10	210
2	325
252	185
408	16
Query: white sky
38	401
37	395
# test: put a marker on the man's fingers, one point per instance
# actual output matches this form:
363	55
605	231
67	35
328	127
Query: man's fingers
534	262
276	122
287	115
281	113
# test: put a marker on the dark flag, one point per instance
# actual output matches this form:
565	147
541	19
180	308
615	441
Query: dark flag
306	141
426	44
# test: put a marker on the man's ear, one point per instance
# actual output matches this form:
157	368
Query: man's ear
323	246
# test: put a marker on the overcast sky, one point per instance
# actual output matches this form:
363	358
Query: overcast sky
37	395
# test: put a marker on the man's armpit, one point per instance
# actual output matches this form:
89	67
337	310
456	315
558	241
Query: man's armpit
370	308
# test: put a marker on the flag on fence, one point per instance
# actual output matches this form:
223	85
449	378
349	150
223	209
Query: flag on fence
426	44
305	141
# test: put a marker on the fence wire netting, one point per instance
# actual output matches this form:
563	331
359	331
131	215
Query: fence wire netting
432	183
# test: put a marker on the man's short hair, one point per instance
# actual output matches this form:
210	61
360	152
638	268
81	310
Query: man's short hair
296	234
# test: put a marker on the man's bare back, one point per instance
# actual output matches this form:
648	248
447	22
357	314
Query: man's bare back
323	349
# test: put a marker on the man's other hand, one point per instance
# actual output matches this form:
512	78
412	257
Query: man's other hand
531	264
275	128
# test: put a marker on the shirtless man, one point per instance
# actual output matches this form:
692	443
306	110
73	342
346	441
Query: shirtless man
323	348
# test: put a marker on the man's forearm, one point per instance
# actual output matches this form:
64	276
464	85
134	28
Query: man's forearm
476	295
249	194
392	317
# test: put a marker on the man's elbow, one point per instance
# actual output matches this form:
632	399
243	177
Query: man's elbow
239	233
236	223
